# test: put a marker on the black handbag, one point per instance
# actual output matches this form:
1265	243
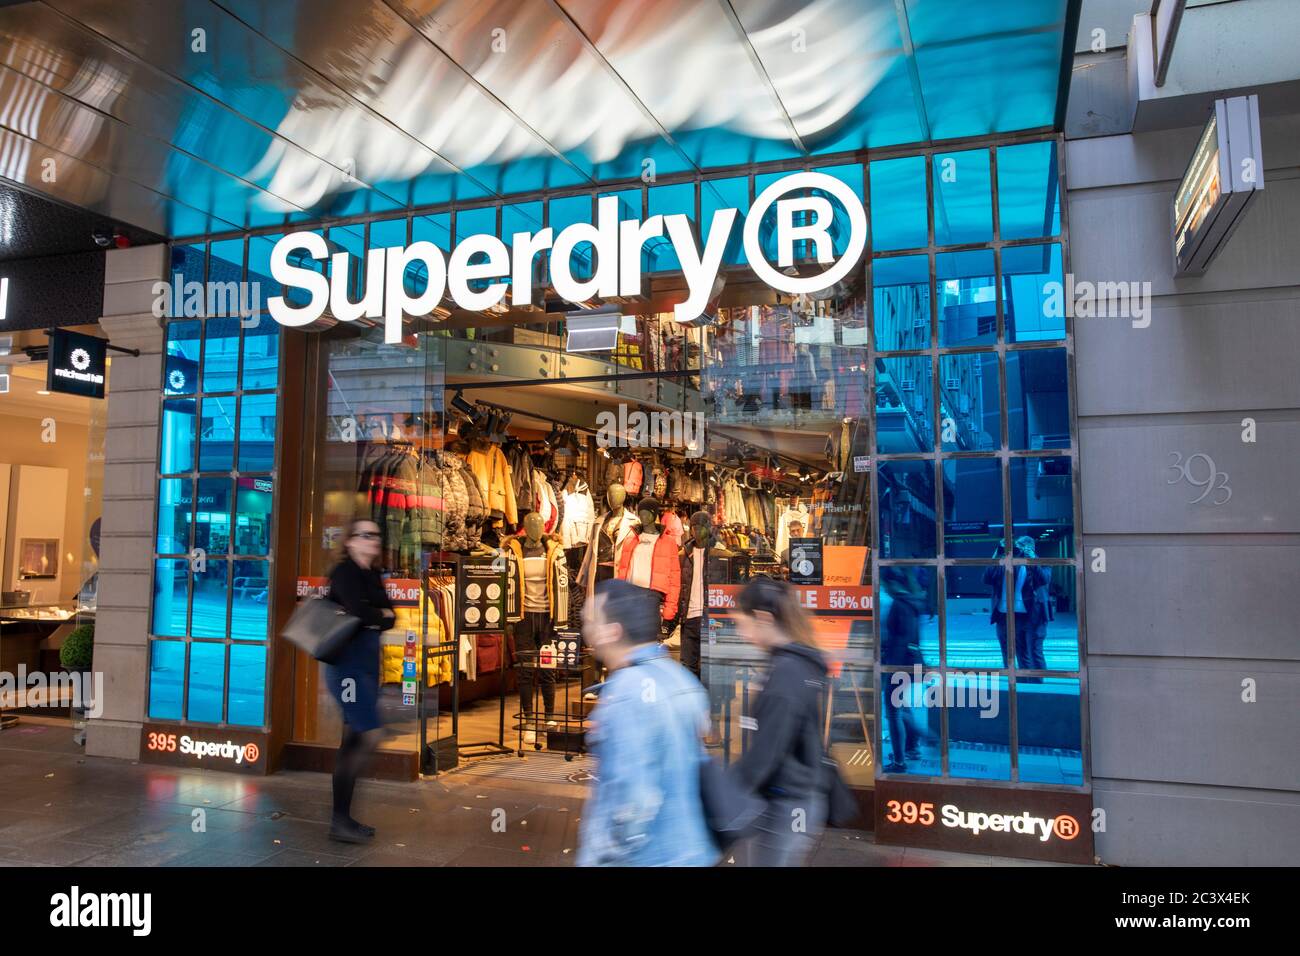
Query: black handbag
321	628
730	811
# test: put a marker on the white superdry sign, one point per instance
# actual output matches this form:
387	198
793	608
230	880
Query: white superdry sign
803	218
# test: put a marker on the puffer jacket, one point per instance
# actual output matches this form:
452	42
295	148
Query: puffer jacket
665	570
579	513
475	513
492	472
455	504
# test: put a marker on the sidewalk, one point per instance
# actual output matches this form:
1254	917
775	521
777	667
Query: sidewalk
59	807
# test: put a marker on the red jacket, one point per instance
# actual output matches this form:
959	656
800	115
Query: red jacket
665	570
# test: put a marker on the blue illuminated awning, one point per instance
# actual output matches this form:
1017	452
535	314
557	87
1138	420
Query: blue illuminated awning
198	116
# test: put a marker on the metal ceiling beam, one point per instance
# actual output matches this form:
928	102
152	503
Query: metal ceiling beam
730	13
523	124
452	167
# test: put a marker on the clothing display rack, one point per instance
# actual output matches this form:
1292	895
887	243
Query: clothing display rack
561	726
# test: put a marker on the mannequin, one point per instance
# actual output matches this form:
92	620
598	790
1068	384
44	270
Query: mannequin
608	535
649	558
542	578
693	615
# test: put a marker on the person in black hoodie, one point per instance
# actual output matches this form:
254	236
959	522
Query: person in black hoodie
783	763
900	644
355	585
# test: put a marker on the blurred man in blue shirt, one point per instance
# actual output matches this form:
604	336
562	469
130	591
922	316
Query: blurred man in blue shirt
645	807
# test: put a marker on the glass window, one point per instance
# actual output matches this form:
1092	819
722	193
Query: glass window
979	726
970	406
249	602
909	611
220	354
176	453
973	638
1029	196
207	680
906	509
898	201
388	234
210	592
1038	404
262	354
1042	504
973	523
217	434
904	405
564	213
435	229
212	516
174	507
910	722
963	199
966	296
166	679
476	222
1033	293
351	239
1049	731
729	193
171	591
226	263
901	302
188	262
259	266
257	432
527	217
851	176
181	372
246	696
668	201
253	516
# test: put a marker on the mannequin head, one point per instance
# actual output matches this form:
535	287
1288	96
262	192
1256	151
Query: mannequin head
796	529
648	511
702	528
533	527
616	495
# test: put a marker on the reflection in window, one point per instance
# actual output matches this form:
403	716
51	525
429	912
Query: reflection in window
253	516
973	523
176	453
166	679
901	302
248	600
220	354
257	433
262	354
669	201
731	193
189	262
1049	731
904	405
898	201
226	261
1033	293
564	213
1042	504
909	615
246	696
966	296
259	265
207	680
174	507
979	726
171	583
963	200
212	515
1051	641
974	640
906	509
1029	197
210	590
970	412
181	371
909	727
1038	405
217	434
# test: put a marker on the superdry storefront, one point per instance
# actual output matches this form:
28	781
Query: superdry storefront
832	325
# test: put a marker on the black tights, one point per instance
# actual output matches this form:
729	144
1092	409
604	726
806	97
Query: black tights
354	753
